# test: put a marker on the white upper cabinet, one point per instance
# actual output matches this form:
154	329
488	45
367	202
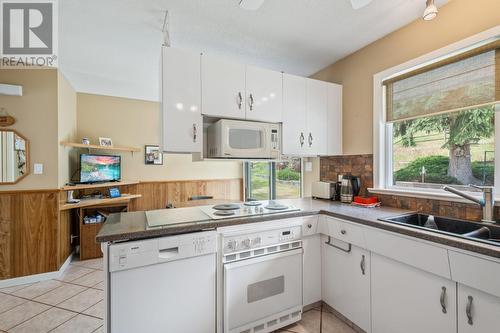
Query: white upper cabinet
181	101
334	122
317	111
294	115
478	312
264	95
406	299
223	88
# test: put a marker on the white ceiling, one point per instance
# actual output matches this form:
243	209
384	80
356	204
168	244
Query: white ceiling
112	47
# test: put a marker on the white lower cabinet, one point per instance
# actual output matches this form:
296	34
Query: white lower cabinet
478	312
346	281
312	269
406	299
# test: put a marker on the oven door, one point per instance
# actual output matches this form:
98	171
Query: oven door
263	291
246	139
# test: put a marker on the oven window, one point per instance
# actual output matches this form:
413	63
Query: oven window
240	138
265	289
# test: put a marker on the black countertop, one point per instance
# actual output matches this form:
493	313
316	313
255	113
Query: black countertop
133	225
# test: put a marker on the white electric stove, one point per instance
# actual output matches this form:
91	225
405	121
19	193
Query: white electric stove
249	208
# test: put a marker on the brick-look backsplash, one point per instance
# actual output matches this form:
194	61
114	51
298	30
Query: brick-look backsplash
362	166
354	165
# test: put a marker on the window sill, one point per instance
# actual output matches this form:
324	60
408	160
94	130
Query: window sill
426	194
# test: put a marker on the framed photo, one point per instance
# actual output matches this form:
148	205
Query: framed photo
105	142
153	155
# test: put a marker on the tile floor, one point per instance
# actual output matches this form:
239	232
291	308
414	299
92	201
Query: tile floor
74	303
318	320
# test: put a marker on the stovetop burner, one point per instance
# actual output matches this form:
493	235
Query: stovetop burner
276	206
252	203
226	207
224	212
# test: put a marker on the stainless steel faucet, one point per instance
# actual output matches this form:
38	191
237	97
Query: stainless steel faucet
487	202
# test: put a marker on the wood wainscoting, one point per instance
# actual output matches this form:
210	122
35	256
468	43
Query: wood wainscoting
29	233
158	194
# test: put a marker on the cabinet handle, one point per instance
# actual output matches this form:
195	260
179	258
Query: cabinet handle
195	133
442	299
363	264
301	139
240	100
310	139
309	225
343	232
468	310
251	102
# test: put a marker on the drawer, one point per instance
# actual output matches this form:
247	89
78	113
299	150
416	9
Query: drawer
421	255
475	272
310	225
345	231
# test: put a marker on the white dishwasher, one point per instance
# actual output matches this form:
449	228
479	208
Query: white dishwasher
163	285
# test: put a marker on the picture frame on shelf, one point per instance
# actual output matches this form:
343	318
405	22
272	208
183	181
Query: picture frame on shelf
105	142
153	155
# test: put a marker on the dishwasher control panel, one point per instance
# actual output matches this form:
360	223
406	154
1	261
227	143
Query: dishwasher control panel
129	255
261	239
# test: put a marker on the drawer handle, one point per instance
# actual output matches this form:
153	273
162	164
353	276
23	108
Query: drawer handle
329	242
363	264
343	232
309	225
468	310
442	299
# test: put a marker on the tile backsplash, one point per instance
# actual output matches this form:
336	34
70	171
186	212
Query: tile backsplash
362	166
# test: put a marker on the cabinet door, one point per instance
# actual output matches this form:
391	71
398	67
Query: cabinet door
346	282
478	312
182	128
334	116
294	115
223	88
317	109
312	269
264	95
406	299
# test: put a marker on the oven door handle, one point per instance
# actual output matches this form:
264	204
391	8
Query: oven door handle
267	257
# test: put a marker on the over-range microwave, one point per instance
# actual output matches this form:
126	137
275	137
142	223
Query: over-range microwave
243	139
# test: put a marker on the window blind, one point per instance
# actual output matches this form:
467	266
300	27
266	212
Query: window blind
466	81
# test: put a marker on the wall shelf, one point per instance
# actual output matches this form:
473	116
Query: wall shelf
81	145
125	198
77	187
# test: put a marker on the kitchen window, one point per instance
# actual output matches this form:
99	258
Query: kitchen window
436	122
273	180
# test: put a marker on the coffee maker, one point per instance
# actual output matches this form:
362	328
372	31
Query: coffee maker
350	187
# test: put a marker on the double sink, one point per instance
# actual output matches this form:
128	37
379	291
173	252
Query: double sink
483	232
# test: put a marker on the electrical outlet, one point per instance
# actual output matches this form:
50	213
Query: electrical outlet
38	169
308	166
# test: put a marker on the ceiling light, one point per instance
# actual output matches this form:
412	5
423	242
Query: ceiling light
251	4
430	11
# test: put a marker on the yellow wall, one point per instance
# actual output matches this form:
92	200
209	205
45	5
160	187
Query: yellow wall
66	97
36	118
130	122
456	20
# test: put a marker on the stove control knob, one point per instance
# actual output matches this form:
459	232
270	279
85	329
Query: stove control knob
232	245
245	243
256	241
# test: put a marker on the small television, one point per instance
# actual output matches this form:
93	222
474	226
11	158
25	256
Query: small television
99	168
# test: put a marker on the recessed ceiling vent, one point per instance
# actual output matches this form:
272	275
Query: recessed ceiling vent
358	4
251	4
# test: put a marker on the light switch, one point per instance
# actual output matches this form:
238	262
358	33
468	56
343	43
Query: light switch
38	169
308	166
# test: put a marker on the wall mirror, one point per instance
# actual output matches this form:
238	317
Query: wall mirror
14	156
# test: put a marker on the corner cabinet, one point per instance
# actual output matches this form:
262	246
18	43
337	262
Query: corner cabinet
232	90
312	117
346	281
410	300
182	125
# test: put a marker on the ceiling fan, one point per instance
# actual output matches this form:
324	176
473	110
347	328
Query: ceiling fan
256	4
